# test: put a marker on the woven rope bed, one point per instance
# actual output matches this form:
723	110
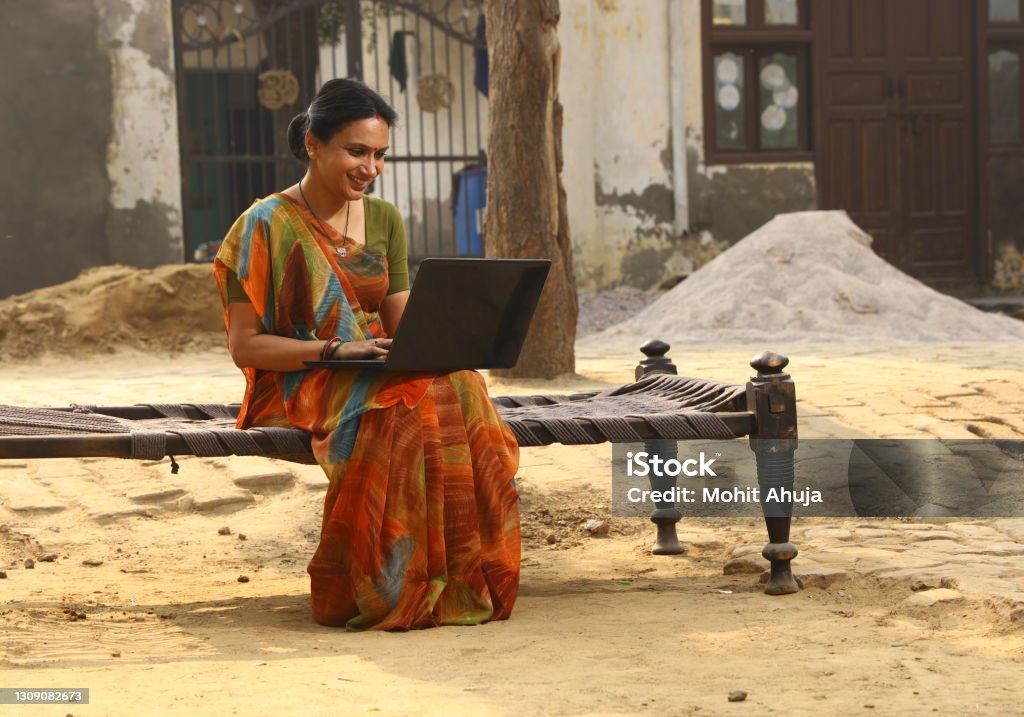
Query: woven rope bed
658	406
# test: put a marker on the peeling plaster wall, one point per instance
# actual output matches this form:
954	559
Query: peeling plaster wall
577	51
90	140
616	88
144	225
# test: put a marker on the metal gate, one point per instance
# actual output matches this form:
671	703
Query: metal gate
245	68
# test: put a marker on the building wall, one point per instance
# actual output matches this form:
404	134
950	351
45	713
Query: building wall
144	224
614	86
89	139
94	173
634	132
54	130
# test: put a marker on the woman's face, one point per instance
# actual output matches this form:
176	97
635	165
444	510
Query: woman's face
352	159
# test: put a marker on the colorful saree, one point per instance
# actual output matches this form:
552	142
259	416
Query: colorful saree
421	519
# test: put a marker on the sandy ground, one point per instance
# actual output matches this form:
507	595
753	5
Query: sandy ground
141	602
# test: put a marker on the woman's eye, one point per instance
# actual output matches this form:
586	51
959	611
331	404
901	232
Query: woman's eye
380	155
356	152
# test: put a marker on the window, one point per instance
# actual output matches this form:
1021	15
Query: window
756	65
1000	11
1005	84
1004	95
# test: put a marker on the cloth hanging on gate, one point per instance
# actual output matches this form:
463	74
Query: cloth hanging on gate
398	64
480	57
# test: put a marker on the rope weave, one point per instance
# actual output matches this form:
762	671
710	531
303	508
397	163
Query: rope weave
616	430
524	436
149	445
671	407
169	410
213	410
239	443
17	421
202	442
669	425
286	440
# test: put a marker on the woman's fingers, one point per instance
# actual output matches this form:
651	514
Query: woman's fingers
380	346
363	349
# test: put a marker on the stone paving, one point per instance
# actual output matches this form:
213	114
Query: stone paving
913	391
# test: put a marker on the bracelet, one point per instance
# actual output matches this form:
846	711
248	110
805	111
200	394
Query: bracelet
337	346
328	348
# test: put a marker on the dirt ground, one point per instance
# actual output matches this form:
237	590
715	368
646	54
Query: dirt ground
135	591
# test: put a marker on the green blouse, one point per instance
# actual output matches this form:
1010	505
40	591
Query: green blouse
385	234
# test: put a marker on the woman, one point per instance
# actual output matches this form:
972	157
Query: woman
421	521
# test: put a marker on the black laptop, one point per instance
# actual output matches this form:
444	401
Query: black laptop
462	314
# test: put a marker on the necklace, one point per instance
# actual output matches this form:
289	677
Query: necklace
344	234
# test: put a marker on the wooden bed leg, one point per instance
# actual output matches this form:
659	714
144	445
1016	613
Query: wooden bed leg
665	514
771	396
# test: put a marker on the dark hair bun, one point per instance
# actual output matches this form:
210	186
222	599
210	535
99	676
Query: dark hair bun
336	104
297	136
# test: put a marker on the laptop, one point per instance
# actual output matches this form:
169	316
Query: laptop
463	313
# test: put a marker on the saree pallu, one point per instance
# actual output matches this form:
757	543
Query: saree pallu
421	519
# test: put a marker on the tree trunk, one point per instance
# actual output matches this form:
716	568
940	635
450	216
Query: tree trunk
526	212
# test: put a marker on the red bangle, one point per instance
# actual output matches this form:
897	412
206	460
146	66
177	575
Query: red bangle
328	348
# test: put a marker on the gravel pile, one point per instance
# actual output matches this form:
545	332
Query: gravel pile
806	277
601	309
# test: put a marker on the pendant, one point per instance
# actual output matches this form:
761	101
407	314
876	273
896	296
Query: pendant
341	251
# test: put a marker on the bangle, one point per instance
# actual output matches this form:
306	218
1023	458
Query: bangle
328	348
330	354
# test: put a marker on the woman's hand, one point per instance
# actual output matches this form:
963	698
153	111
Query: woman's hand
371	348
252	348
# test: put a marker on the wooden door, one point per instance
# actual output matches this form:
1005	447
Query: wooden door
896	128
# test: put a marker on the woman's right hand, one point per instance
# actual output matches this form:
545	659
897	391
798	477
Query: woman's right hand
251	347
370	348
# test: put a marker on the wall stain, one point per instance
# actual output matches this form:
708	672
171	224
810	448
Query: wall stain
725	205
669	260
643	267
666	154
153	36
115	14
655	202
141	236
733	203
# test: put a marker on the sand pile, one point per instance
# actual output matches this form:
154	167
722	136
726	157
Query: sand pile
807	276
171	308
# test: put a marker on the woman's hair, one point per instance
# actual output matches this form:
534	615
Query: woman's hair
336	104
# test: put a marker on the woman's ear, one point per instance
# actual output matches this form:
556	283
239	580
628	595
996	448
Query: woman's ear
311	143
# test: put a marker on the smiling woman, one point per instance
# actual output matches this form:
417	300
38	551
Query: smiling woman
421	519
